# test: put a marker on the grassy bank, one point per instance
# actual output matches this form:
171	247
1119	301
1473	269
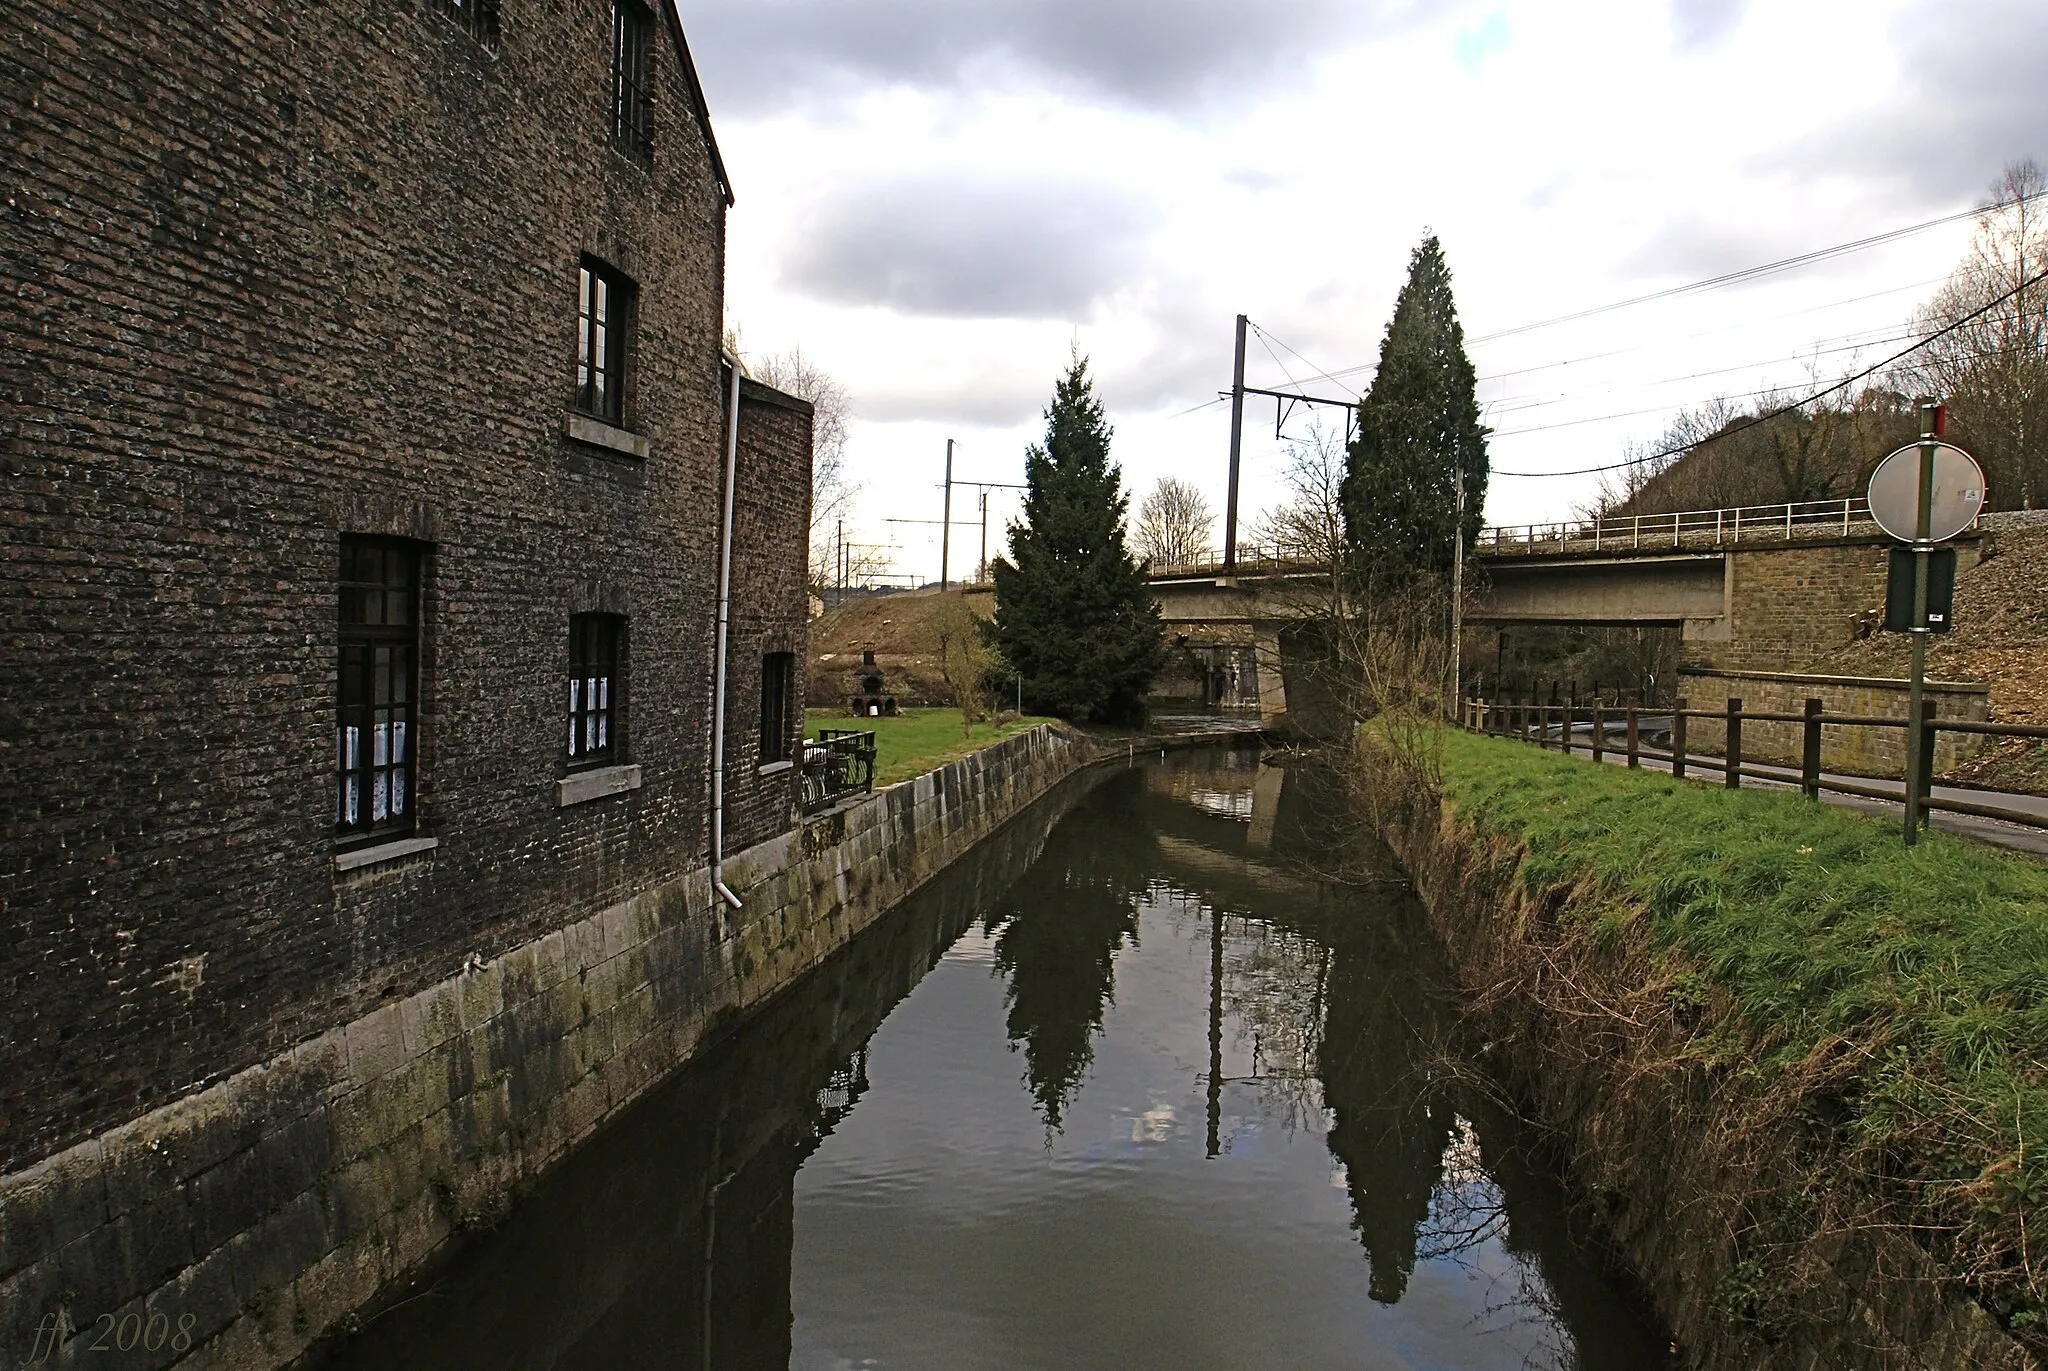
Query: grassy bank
1886	1005
918	740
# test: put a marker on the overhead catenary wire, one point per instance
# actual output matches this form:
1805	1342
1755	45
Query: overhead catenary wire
1529	402
1767	391
1821	394
1518	403
1734	277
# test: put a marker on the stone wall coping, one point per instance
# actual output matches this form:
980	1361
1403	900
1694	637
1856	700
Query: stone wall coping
581	428
357	858
596	783
1806	678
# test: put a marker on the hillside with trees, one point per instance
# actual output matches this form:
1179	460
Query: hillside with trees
1986	356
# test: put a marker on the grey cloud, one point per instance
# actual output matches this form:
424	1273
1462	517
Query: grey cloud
1701	23
995	402
773	53
1697	250
1189	364
938	245
1972	100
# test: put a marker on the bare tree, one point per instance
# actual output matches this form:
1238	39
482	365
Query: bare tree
1718	455
1174	525
1308	525
965	659
1993	370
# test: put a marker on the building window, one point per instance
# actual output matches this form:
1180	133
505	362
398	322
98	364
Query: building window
778	706
376	732
597	713
478	18
603	317
632	103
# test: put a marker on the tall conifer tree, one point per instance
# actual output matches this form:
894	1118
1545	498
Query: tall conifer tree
1073	612
1418	424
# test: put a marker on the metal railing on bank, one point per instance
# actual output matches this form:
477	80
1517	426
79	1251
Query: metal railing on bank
837	763
1629	732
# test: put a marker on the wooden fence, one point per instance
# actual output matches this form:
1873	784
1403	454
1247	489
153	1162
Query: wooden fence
1556	725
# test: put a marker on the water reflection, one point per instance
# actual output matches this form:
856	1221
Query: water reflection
1235	1143
1061	927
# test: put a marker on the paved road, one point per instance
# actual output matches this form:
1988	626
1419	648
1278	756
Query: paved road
2018	837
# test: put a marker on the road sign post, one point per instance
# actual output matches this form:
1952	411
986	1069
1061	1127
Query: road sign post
1917	764
1935	490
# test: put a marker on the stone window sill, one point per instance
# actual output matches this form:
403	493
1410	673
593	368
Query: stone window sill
355	859
774	768
581	428
595	784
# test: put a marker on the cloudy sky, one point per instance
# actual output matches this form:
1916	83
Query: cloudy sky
938	198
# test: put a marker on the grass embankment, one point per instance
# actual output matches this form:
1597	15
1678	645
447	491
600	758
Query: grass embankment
1891	1000
918	740
905	632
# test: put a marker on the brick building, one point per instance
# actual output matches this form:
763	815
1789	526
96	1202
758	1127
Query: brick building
364	437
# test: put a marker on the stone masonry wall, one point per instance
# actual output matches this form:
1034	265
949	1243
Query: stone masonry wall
1843	747
1793	605
249	1218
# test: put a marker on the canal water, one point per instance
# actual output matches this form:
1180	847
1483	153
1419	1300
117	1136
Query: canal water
1123	1089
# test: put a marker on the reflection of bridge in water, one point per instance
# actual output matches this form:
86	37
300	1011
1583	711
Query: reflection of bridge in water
1774	588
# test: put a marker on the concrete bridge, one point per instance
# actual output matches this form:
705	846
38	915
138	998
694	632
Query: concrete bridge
1773	588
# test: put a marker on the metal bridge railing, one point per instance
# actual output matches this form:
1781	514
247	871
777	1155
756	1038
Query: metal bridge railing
1687	528
1618	532
1251	559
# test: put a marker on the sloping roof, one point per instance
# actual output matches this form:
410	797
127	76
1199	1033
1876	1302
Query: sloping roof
675	28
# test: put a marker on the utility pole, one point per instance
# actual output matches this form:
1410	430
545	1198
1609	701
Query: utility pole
1457	590
982	574
946	519
1236	447
839	565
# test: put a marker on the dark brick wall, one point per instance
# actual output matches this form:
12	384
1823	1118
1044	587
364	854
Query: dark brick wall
771	539
276	271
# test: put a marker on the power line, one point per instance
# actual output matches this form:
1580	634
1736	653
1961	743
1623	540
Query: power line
1665	408
1736	277
1534	403
1751	273
1820	394
1705	333
1263	336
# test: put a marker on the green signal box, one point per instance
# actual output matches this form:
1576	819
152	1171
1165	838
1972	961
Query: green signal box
1941	590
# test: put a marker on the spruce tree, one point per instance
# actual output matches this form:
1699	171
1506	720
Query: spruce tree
1073	612
1417	425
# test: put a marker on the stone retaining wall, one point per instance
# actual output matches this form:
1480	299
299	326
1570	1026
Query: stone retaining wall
233	1226
1862	751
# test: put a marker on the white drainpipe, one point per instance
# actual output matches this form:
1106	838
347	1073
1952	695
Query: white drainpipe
732	461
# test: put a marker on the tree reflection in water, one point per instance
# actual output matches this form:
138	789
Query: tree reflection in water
1340	1001
672	1238
1060	929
